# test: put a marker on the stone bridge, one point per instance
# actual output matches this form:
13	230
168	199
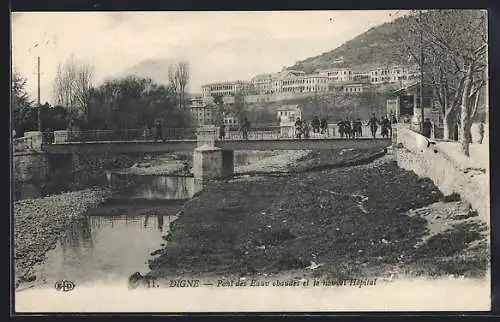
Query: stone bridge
212	157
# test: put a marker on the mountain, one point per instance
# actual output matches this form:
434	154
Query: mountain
377	46
156	69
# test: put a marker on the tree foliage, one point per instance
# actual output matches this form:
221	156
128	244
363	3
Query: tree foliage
219	102
454	46
132	102
22	109
25	113
238	108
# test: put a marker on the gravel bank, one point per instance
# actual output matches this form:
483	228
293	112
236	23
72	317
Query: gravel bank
38	224
159	165
277	163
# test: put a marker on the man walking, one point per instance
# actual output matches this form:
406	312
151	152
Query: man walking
373	123
222	131
244	128
341	127
315	124
324	126
159	131
386	125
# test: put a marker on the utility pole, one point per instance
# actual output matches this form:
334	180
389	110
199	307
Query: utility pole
421	75
39	107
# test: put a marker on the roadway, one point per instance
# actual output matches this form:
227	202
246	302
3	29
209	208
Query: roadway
143	146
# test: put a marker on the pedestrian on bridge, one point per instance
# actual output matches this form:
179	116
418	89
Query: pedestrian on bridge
316	124
298	128
341	127
305	129
159	131
373	123
348	129
145	132
358	128
324	126
386	124
245	128
222	131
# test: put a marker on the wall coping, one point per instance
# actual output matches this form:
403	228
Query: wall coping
24	153
207	148
438	146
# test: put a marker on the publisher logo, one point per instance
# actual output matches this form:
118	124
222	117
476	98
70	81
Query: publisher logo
64	285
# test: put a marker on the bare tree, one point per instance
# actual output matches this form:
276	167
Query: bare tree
172	79
178	78
72	85
454	46
182	76
83	85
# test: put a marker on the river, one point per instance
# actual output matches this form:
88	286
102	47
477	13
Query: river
117	238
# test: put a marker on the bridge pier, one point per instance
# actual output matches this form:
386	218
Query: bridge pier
35	139
209	161
30	165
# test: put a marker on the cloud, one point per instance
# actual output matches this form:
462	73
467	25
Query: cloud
219	45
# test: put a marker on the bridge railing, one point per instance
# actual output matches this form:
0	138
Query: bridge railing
257	133
23	144
125	135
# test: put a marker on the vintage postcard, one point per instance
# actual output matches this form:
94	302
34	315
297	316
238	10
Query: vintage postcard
280	161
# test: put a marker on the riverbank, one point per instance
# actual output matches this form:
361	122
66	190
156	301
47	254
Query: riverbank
38	224
159	165
336	223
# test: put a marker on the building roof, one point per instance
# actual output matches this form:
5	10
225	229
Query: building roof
407	87
315	75
261	77
294	71
227	83
291	107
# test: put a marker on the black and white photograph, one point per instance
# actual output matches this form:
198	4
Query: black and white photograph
250	161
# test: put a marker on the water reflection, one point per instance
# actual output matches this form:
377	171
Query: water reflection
105	248
159	222
160	187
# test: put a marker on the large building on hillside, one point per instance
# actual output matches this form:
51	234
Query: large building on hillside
296	81
262	84
300	83
231	120
337	75
360	76
393	74
289	81
353	88
203	113
225	88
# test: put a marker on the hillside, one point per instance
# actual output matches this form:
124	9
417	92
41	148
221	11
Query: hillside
156	69
334	106
377	46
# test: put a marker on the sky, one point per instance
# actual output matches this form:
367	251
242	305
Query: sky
218	45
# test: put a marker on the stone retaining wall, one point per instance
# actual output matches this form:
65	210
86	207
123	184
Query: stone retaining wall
29	166
447	172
